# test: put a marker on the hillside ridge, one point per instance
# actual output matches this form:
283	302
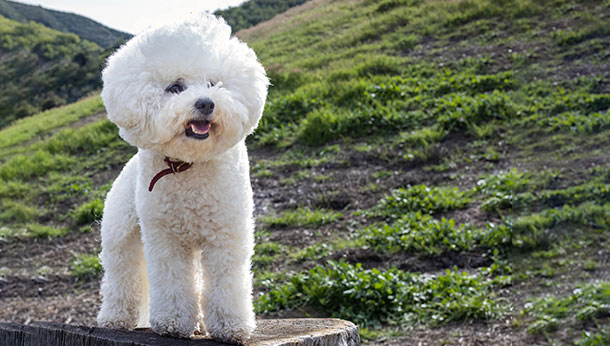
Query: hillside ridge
82	26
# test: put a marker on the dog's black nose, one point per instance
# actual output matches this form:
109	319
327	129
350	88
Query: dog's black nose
205	106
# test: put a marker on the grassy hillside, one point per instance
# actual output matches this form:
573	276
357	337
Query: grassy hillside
436	171
253	12
41	68
82	27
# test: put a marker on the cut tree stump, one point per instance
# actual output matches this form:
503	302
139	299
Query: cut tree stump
280	332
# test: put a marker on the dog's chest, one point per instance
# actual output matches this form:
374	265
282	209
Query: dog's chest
193	203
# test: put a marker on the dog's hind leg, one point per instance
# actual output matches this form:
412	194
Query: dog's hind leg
124	286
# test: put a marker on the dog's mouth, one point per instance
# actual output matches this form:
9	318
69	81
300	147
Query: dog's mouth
198	129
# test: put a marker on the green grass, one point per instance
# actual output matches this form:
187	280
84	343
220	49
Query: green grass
541	228
89	212
586	303
374	297
265	253
28	128
86	266
17	212
42	231
301	217
419	198
417	232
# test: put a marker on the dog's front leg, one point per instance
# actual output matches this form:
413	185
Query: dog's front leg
172	274
227	297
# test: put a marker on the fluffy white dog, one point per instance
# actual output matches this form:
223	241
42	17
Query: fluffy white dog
177	231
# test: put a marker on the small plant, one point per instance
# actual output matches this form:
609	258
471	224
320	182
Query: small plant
264	253
41	231
533	230
586	303
17	211
372	297
420	198
422	233
89	211
86	266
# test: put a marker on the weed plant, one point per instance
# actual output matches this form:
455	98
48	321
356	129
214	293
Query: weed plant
419	198
585	304
86	266
373	297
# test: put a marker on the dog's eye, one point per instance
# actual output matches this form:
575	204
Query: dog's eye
176	88
211	84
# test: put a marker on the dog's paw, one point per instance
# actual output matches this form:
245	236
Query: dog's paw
235	336
126	323
231	331
174	328
200	328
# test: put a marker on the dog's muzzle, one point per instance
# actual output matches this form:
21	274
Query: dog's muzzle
199	127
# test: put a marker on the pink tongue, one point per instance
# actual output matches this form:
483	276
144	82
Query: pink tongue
202	127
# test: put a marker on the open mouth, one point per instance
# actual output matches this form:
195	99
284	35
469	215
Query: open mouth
198	129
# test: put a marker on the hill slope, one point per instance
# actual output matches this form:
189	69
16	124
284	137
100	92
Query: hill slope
436	171
253	12
83	27
41	68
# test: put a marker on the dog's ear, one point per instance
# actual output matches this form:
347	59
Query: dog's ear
118	106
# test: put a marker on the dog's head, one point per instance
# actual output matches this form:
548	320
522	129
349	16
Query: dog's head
187	90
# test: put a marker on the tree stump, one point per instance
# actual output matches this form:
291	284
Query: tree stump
277	332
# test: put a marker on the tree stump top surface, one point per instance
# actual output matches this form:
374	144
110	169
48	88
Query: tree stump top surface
273	332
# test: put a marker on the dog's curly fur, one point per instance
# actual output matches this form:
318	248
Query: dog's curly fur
184	248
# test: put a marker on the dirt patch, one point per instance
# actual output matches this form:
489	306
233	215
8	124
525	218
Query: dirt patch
473	334
77	307
41	286
55	255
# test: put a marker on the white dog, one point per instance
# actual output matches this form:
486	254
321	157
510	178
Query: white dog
178	219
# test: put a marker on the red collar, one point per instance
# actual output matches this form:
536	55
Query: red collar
174	167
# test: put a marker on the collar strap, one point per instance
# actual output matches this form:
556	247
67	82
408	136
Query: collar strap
174	167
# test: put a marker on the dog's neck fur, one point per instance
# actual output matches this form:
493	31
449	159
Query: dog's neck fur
173	168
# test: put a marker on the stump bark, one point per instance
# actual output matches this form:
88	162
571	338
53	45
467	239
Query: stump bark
277	332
